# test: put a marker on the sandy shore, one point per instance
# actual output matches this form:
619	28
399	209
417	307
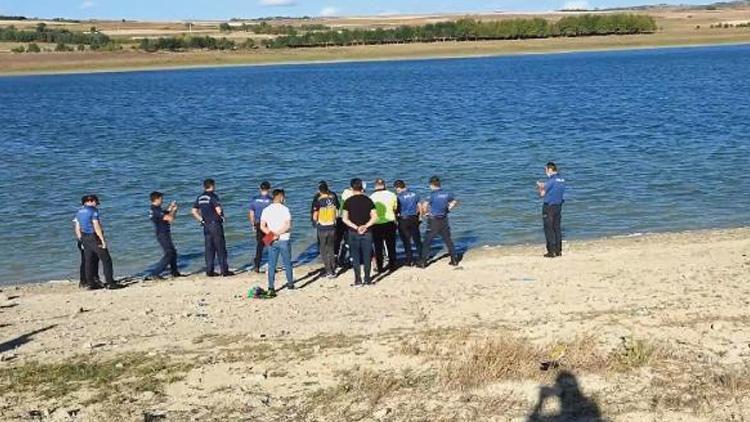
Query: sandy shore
652	328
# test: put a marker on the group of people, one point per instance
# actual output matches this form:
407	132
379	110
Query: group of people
350	229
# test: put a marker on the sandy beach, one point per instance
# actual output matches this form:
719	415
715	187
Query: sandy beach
651	328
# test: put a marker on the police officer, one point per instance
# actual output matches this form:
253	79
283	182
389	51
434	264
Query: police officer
90	232
257	205
207	210
408	220
552	191
163	220
79	243
436	208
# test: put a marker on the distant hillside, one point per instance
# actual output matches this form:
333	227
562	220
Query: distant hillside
737	4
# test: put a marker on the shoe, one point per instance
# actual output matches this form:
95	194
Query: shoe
212	274
270	294
357	284
290	286
113	286
154	278
558	254
421	264
331	276
549	255
90	287
178	275
228	274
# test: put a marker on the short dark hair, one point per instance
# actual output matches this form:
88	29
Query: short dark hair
323	188
399	184
265	185
277	192
435	181
209	183
357	185
552	166
89	198
156	195
380	181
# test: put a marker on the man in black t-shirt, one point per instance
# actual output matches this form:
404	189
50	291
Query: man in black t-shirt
163	220
359	216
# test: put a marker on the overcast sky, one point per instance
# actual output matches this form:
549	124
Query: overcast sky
225	9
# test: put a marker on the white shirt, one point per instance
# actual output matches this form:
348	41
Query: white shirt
276	216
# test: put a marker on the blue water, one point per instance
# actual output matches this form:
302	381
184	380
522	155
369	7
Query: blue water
648	140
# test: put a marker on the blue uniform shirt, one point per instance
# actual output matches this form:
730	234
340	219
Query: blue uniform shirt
156	214
407	203
207	203
85	218
258	204
439	200
554	190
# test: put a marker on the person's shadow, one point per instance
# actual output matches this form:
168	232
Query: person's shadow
574	406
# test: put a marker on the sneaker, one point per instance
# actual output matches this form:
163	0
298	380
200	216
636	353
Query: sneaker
178	275
212	274
95	286
270	294
228	274
113	286
290	286
549	255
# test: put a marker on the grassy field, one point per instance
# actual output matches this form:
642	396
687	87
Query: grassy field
676	27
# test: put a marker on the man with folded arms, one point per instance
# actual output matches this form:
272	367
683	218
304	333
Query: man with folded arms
359	216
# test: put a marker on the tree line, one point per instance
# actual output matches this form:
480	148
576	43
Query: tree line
267	28
188	43
474	30
43	33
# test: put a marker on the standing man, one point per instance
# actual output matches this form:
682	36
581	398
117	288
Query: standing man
163	220
553	193
257	205
276	223
79	243
90	232
359	216
340	228
384	230
408	220
325	216
207	210
437	208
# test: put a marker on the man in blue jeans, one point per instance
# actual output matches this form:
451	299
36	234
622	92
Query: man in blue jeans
276	223
359	216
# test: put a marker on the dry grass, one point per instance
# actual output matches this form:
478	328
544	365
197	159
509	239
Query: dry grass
109	379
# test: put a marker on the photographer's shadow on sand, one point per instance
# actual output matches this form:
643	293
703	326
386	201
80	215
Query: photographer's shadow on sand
573	405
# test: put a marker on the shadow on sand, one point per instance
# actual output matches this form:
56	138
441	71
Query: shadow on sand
22	339
574	406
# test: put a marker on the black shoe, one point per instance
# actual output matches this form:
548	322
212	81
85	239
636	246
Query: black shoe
290	287
227	274
453	263
558	254
113	286
212	274
85	286
421	264
549	255
178	275
155	277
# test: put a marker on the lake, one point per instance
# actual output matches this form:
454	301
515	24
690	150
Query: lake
650	140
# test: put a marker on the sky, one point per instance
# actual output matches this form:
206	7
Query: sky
226	9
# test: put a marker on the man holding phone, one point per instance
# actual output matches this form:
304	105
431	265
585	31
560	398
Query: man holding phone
552	191
163	220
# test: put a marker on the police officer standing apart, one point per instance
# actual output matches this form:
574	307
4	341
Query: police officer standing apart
408	220
207	210
552	191
257	205
437	208
90	232
163	220
82	283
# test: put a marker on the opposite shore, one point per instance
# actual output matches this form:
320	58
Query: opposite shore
651	326
131	61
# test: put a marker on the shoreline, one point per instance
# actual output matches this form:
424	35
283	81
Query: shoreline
384	58
137	278
662	314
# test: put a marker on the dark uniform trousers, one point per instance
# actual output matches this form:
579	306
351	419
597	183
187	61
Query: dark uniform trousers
339	241
385	234
408	229
438	226
93	253
259	245
552	217
216	246
170	254
82	281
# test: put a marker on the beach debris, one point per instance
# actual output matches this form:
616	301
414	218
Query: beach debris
5	357
95	345
154	415
35	414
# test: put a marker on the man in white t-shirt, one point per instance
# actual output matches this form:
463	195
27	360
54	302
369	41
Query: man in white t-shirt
276	223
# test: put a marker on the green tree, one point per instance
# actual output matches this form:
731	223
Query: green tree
33	48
